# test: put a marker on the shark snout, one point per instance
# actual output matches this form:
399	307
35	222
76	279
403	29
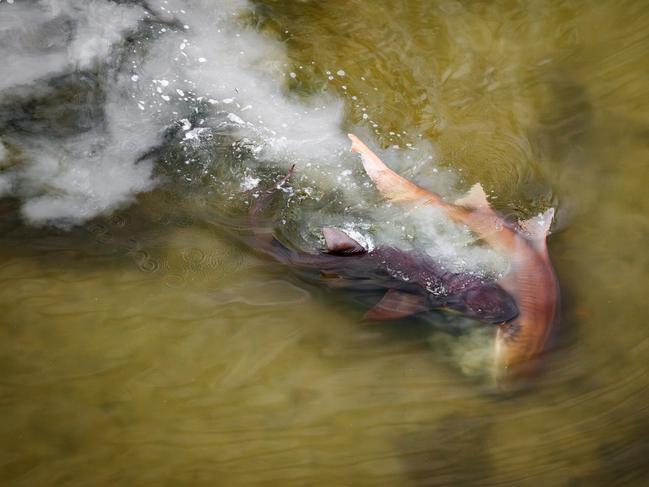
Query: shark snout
487	302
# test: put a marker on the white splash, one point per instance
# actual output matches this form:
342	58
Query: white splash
67	180
46	38
211	58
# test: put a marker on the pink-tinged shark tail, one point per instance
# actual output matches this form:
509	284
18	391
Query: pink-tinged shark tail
388	182
531	281
264	239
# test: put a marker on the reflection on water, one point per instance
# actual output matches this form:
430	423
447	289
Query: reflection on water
143	343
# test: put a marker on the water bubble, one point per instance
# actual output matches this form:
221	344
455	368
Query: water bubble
118	220
95	228
139	255
193	255
148	265
132	244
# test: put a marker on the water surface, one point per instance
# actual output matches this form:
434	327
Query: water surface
144	344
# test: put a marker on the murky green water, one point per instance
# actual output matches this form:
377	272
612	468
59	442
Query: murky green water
150	347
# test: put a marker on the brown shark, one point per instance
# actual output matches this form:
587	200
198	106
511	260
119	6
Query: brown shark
411	281
531	280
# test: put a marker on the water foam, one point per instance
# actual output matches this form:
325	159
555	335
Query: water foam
47	38
243	76
68	179
187	53
196	67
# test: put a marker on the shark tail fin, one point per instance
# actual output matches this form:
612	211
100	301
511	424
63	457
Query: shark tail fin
264	238
265	197
389	183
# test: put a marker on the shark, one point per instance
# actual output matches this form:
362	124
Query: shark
531	280
409	281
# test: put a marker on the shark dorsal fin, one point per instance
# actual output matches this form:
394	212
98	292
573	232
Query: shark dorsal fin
338	242
397	304
475	199
536	229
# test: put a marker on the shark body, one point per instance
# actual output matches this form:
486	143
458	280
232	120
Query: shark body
412	282
531	280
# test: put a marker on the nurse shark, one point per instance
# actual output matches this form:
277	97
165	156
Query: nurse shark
412	282
531	280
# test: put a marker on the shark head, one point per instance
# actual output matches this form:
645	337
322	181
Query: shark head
487	302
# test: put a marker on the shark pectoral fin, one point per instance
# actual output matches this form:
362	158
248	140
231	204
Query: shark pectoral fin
475	199
536	229
339	243
397	304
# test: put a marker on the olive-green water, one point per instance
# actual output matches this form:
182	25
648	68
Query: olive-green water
150	347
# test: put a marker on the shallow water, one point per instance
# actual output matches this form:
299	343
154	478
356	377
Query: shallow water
144	344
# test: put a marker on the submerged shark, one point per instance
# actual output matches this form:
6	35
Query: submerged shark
531	280
412	282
